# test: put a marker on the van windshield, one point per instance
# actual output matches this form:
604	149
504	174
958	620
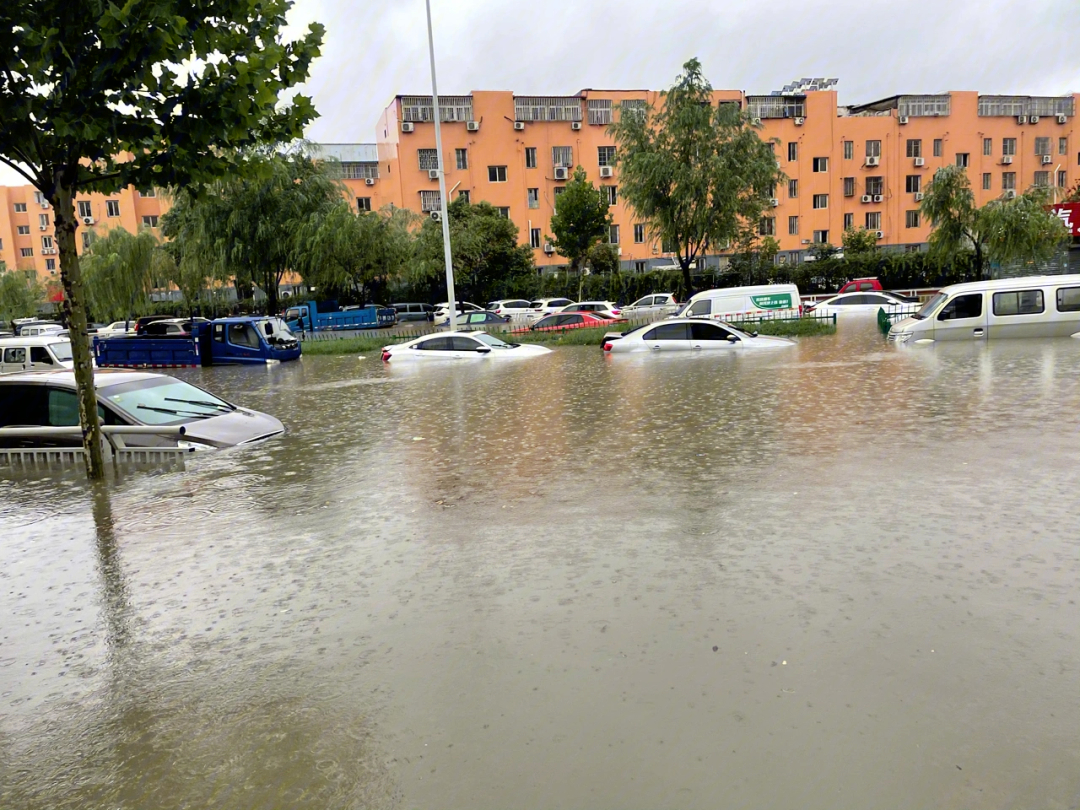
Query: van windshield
929	307
61	350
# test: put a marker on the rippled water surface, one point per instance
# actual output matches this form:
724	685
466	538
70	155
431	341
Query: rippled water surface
832	576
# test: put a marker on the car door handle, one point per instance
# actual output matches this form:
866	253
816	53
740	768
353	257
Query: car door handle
696	346
655	348
978	333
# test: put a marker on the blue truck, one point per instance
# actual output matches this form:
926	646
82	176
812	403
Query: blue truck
223	341
327	316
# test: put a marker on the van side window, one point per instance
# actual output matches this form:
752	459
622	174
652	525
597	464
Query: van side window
1021	302
1068	299
15	355
702	307
38	354
963	306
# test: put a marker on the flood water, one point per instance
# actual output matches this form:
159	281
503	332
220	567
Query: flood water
840	575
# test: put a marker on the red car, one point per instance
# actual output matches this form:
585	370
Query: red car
564	320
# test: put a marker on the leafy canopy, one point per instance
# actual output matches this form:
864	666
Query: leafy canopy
121	270
859	241
20	294
581	220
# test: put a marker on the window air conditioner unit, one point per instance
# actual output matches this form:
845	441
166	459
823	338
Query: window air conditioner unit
867	198
433	174
879	234
806	241
369	181
575	125
1046	159
87	220
918	196
1033	120
46	227
920	161
406	126
756	122
873	161
1063	119
472	126
44	203
1010	194
436	216
548	247
519	125
799	120
561	172
606	171
1021	119
879	198
1006	159
903	119
774	202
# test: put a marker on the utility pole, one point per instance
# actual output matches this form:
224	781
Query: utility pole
443	216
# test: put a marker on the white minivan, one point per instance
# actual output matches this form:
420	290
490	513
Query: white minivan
37	353
740	303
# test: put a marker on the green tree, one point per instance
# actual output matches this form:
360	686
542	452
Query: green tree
97	96
1002	231
696	173
581	220
859	242
21	294
486	253
120	270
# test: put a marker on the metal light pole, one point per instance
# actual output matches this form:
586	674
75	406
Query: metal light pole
442	177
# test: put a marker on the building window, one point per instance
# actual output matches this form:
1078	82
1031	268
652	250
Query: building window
821	237
849	221
873	149
504	211
609	193
641	267
559	190
496	174
360	171
962	159
46	243
23	230
84	209
363	203
613	234
605	155
914	148
534	197
27	252
913	183
1063	179
938	147
873	221
427	159
821	164
562	157
530	157
430	201
20	208
150	221
639	234
149	192
849	186
39	198
1008	181
1008	146
986	181
464	195
792	189
821	201
534	237
50	265
911	219
875	186
43	220
792	151
793	226
849	150
1042	146
767	226
461	157
1063	146
988	146
87	239
1042	179
112	208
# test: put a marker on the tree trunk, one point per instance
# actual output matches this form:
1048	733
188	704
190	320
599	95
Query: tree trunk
62	198
688	282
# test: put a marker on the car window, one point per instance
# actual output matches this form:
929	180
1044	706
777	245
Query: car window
63	408
703	307
465	344
963	306
61	350
15	355
243	334
573	320
38	354
21	404
866	285
439	344
878	299
550	320
709	331
670	331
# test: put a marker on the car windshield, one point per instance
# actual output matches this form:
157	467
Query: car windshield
929	307
164	401
491	341
62	350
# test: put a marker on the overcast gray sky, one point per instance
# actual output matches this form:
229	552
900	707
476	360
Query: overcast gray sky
375	50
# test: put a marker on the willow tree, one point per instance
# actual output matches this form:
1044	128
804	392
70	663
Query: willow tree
21	294
97	96
120	270
696	173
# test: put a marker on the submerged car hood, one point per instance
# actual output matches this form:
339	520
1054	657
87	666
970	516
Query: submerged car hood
238	427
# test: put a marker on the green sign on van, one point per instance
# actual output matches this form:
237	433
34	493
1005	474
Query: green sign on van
772	301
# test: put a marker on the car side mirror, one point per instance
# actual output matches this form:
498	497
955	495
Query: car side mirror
483	351
732	339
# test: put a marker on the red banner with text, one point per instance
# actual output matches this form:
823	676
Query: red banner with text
1069	213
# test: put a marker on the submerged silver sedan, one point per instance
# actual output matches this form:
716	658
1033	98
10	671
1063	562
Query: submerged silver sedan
688	335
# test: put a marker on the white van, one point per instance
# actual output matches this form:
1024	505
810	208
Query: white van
1032	306
37	353
742	303
42	328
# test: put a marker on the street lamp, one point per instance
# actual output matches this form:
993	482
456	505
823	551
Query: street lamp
444	217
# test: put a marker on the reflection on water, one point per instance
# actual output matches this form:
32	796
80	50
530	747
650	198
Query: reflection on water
838	570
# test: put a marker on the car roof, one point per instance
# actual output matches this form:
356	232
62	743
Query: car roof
103	377
33	340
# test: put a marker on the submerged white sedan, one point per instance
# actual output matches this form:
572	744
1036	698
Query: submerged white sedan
689	335
460	346
864	303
